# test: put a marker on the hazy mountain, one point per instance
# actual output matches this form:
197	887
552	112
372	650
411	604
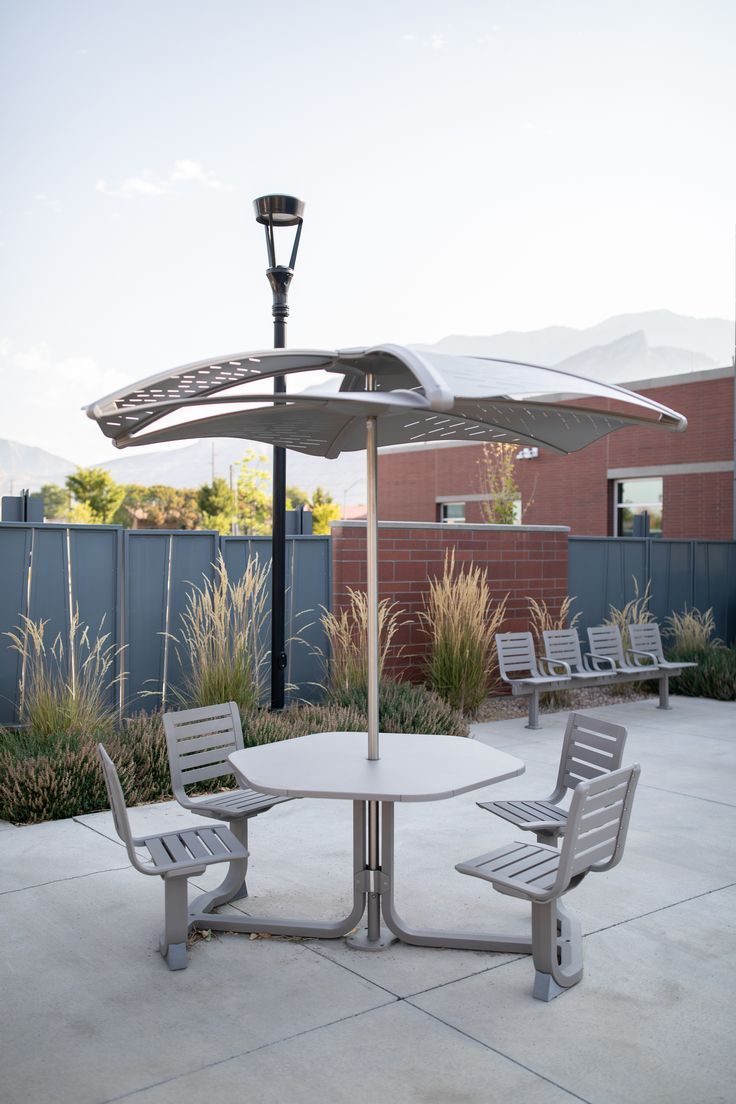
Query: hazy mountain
26	466
668	337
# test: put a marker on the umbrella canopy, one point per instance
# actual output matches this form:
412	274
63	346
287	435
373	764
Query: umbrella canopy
417	397
388	395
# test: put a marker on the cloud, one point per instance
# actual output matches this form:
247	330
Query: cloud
46	201
146	184
435	42
45	408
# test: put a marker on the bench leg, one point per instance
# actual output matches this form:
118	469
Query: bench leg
664	692
173	941
232	887
557	950
534	710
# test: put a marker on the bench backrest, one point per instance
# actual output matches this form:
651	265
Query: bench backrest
597	825
563	645
516	654
606	640
199	742
646	638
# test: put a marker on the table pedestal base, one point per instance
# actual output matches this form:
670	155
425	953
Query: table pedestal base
373	887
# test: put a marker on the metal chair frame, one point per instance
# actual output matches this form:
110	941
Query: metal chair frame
594	841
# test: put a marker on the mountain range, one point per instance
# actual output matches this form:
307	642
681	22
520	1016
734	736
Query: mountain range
624	349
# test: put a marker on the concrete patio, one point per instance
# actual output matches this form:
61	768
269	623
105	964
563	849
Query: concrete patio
91	1014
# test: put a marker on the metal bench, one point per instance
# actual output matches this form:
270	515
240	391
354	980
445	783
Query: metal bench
632	664
516	653
199	742
594	841
562	646
591	748
175	857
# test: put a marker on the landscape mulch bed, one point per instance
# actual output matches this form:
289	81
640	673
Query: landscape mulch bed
503	707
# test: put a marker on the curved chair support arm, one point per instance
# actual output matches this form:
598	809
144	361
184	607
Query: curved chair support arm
597	659
632	652
552	663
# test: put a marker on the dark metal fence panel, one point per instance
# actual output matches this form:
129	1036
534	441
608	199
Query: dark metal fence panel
714	584
684	574
193	556
309	593
15	558
671	572
601	573
96	589
146	584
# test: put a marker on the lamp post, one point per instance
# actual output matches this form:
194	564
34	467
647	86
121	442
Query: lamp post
274	212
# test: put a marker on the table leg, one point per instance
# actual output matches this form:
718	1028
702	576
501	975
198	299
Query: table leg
469	941
372	937
236	922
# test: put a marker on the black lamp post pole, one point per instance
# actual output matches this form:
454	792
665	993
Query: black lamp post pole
274	211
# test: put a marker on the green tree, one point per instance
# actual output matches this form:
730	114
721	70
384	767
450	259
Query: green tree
216	505
324	510
97	490
158	507
55	501
254	496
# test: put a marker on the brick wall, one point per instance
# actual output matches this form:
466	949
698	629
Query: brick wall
520	560
574	490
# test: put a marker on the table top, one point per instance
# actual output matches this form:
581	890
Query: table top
412	766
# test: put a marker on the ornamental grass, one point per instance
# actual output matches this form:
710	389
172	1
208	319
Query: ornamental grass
461	620
346	665
221	645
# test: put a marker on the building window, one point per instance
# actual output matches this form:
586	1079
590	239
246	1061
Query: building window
638	508
452	512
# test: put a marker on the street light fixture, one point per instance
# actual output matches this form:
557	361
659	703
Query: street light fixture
275	212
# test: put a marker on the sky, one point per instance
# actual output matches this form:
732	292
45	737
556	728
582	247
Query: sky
467	168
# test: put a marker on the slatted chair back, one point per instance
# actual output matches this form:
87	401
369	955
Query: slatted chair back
199	742
591	748
597	825
117	806
516	653
563	645
646	638
605	640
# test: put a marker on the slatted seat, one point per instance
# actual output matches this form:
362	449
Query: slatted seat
646	639
199	742
591	748
563	646
594	841
174	857
516	654
606	644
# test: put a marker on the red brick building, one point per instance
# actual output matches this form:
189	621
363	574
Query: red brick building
684	481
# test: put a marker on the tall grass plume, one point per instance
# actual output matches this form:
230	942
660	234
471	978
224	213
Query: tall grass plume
461	621
346	666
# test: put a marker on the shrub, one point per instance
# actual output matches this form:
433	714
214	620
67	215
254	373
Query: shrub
461	623
405	708
347	637
221	641
714	677
65	688
58	781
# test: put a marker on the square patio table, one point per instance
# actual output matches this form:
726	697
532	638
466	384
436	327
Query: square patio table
412	767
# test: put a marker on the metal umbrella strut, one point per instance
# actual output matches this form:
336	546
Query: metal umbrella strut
388	395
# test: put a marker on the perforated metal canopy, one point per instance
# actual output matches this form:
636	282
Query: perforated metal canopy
418	397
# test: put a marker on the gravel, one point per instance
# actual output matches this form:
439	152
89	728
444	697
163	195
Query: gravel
504	706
